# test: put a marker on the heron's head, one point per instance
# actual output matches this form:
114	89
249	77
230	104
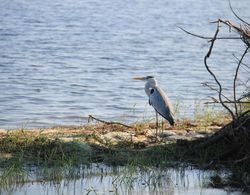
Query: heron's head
150	80
144	78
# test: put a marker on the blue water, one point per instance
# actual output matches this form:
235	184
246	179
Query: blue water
62	60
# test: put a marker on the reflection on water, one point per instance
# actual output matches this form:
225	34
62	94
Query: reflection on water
61	61
100	179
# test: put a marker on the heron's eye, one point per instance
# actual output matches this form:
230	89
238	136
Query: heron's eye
152	91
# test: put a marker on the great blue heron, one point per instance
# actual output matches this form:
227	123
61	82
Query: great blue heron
158	99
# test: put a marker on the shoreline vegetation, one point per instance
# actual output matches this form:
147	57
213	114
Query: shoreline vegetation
67	149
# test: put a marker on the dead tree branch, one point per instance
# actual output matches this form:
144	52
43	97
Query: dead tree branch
244	64
235	78
213	75
214	89
228	102
243	31
108	122
236	14
204	37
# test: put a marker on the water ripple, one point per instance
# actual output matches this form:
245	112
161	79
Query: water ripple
61	61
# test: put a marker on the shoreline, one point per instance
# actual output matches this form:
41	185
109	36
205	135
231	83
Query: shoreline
71	147
117	132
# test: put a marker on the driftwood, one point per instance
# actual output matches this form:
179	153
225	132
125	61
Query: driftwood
107	122
228	133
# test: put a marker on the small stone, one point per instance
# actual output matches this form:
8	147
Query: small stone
166	133
140	145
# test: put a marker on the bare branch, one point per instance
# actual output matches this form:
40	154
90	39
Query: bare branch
212	74
246	157
246	65
245	96
199	36
235	78
212	88
243	31
204	37
108	122
236	14
228	102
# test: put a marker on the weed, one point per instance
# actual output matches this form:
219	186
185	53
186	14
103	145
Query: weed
56	159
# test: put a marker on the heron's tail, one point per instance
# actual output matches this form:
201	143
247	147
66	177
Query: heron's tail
170	119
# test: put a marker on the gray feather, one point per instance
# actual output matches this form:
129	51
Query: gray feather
162	104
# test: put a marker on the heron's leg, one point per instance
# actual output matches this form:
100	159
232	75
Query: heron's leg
162	123
156	134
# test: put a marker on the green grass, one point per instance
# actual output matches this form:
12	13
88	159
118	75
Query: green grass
41	150
23	154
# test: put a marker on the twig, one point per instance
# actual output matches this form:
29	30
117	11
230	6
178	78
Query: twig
235	78
229	24
243	31
245	96
228	102
245	66
245	113
242	123
236	14
108	122
210	87
212	74
242	160
215	100
204	37
237	59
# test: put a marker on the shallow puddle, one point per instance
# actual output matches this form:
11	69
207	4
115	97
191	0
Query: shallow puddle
100	179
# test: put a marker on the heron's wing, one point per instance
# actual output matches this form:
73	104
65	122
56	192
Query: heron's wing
162	104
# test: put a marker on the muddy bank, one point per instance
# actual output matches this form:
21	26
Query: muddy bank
102	134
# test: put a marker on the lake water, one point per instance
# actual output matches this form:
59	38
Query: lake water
100	179
62	60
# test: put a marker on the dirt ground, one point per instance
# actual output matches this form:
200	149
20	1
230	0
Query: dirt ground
101	133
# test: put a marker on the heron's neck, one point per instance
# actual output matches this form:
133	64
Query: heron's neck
152	83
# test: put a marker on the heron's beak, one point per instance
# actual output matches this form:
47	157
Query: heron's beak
140	78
